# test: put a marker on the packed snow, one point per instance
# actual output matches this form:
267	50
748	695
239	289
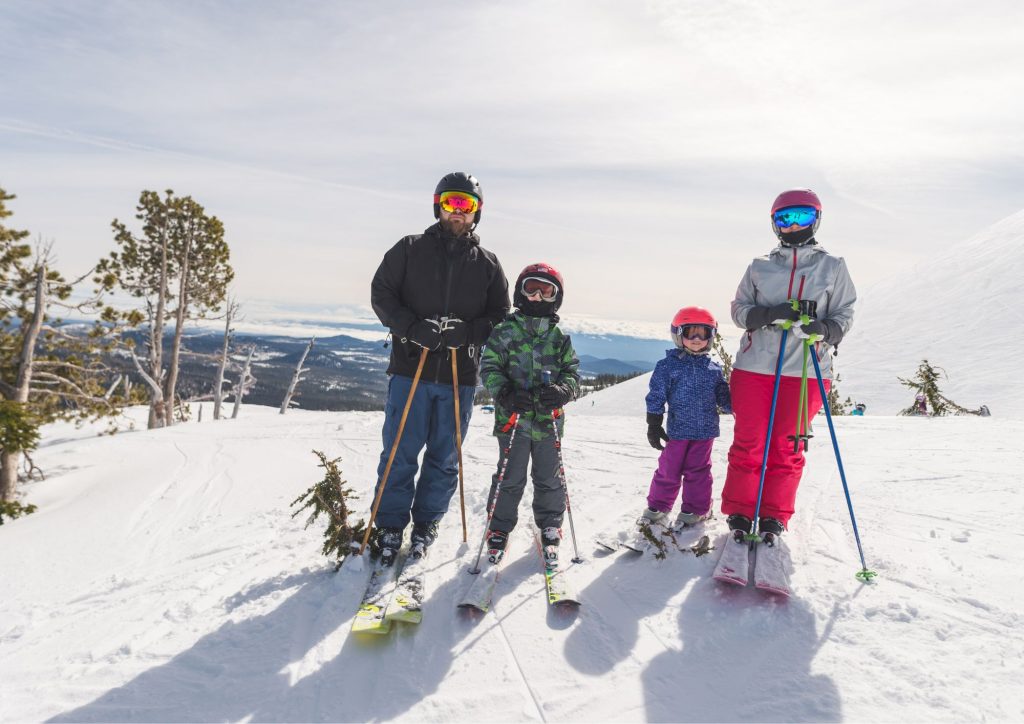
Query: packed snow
163	579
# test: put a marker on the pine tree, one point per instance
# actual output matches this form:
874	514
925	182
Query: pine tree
47	371
835	405
926	382
179	267
330	497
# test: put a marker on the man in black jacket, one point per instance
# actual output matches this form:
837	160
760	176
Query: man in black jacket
440	291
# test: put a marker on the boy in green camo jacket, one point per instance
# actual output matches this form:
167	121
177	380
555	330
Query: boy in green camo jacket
519	351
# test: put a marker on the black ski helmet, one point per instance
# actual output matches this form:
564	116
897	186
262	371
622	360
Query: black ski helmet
458	181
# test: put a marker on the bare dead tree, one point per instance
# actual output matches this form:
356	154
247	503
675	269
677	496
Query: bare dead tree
245	381
297	377
218	390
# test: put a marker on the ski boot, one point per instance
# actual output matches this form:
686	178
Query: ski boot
770	530
650	517
423	536
689	520
386	544
497	540
550	537
739	526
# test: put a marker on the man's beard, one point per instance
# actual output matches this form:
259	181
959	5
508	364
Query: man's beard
457	226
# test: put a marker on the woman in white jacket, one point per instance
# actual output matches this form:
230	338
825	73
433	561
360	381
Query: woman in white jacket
795	269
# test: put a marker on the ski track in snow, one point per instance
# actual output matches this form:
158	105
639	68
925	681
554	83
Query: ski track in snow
164	579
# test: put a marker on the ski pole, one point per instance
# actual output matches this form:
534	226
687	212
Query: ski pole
507	452
863	574
752	536
546	378
394	449
458	438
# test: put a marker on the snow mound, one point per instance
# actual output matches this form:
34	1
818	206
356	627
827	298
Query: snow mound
961	311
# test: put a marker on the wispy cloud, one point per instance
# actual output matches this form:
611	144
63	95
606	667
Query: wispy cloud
636	146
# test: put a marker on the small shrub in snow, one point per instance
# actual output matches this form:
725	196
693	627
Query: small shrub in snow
330	497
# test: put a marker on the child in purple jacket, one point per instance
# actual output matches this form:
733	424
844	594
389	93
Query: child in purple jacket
693	387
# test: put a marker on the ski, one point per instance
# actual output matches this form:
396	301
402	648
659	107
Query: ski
557	582
772	564
733	563
406	602
641	544
370	617
481	591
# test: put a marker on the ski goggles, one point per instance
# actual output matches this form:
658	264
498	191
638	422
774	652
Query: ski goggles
452	201
799	215
693	331
535	285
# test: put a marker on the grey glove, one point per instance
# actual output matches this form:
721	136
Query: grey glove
516	400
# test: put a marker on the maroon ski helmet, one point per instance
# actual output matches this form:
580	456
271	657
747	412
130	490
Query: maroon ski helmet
795	197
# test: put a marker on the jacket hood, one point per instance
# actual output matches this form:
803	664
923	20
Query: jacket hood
435	230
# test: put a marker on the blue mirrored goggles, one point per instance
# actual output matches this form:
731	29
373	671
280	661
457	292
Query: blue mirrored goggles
799	215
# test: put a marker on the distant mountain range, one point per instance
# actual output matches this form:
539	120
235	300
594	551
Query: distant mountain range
348	373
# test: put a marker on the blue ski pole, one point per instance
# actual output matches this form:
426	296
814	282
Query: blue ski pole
752	536
864	574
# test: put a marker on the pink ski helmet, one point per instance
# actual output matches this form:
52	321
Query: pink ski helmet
795	197
693	316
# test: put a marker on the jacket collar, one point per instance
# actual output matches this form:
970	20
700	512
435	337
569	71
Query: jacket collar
435	231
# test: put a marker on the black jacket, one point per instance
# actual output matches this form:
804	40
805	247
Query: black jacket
433	275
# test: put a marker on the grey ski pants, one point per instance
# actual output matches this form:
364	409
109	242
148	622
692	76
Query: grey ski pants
548	496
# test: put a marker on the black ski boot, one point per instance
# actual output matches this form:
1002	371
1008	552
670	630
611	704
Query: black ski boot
739	526
385	544
423	536
497	540
550	537
770	529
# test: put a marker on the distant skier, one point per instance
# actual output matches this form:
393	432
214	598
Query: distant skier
795	269
520	349
693	387
920	404
442	273
858	410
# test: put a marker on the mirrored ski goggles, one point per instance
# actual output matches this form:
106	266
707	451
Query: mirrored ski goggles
799	215
693	331
534	285
452	201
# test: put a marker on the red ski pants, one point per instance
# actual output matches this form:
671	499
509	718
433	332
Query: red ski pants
751	402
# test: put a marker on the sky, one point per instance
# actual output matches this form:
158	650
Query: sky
637	146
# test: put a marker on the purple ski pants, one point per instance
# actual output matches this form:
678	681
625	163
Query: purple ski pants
686	463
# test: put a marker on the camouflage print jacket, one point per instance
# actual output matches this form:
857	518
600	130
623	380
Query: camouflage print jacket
517	352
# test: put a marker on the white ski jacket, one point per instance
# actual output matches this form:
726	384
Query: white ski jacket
806	272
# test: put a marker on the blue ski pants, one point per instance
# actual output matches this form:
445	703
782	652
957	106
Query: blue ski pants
431	424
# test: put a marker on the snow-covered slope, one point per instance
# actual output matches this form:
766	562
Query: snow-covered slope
163	579
961	310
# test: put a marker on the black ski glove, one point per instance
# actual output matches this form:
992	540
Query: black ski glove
763	316
455	333
516	400
655	430
830	331
425	333
554	396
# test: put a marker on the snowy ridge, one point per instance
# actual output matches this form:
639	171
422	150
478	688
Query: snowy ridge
962	310
163	579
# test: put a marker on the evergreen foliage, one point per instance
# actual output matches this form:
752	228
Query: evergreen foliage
48	371
13	509
926	382
724	358
178	266
330	497
835	405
